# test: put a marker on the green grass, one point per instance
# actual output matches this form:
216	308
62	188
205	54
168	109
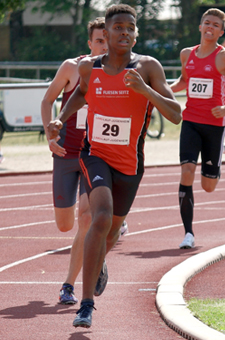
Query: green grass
210	312
23	138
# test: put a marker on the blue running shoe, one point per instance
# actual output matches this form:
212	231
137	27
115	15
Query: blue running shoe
84	314
102	280
66	295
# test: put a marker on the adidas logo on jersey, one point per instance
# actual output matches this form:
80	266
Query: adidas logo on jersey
191	61
97	178
96	81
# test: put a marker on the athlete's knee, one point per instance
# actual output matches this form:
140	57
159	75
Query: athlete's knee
187	174
64	226
209	184
102	221
64	219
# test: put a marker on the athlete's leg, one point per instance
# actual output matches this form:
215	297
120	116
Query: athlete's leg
65	218
186	199
101	205
190	145
76	254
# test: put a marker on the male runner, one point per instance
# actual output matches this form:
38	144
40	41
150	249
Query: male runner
121	88
66	168
203	75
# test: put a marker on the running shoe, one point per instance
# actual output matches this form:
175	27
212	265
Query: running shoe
188	242
124	228
66	295
84	315
102	280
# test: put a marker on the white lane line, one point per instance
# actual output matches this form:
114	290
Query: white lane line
38	237
13	264
168	183
26	195
79	283
24	183
32	207
133	210
173	193
138	210
26	225
172	226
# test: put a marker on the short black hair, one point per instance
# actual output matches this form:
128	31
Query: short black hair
98	23
118	9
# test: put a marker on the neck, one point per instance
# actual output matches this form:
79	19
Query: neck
115	63
206	49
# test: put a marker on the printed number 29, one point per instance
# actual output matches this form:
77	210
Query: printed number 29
110	130
199	87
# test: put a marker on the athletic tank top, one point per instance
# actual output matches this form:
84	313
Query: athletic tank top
117	120
74	128
205	90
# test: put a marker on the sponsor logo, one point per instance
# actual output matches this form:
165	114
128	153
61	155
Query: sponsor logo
96	81
208	68
98	90
97	178
209	163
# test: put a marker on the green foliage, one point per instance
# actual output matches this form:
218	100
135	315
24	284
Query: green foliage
43	45
209	311
9	6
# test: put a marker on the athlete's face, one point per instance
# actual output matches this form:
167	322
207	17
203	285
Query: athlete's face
120	31
211	28
98	44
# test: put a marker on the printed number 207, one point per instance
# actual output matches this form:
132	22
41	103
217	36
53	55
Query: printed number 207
199	87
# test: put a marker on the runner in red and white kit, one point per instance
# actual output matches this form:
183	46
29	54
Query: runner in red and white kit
203	75
121	87
66	169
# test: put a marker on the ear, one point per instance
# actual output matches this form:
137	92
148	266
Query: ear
221	33
105	33
199	27
89	44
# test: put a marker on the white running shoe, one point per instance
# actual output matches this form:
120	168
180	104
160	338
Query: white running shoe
188	242
124	228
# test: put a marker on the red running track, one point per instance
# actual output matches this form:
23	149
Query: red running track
35	259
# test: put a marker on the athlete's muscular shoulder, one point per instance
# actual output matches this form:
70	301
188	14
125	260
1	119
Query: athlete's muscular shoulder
149	67
85	68
220	62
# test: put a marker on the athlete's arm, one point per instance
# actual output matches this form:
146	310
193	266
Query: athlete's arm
61	81
219	111
181	83
76	100
151	82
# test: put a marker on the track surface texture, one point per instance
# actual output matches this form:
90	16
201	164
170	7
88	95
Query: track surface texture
35	259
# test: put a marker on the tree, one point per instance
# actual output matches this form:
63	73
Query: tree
187	28
79	11
7	6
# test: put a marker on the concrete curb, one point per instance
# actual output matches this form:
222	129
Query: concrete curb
170	301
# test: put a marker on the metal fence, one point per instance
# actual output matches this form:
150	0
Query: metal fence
7	67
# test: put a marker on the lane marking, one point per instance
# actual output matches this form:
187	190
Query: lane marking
38	237
133	210
26	225
77	283
13	264
26	195
24	183
172	226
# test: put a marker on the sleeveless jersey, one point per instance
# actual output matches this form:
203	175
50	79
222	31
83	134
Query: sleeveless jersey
117	120
73	130
205	90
